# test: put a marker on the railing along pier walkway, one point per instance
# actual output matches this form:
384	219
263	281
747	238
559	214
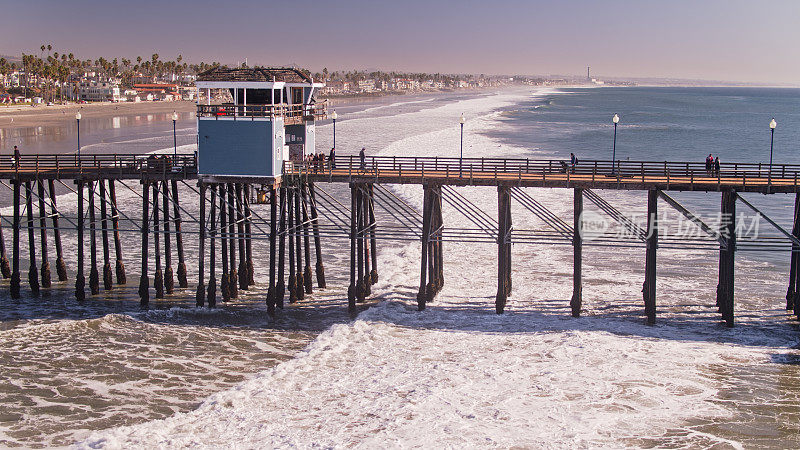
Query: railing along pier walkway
301	211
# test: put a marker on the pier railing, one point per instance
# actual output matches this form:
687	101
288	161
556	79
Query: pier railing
532	169
309	111
105	165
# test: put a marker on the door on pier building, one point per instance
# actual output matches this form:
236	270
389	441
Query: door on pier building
297	96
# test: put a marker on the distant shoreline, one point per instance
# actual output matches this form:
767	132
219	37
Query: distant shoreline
29	116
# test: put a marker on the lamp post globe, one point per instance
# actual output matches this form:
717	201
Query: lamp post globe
615	121
334	116
174	136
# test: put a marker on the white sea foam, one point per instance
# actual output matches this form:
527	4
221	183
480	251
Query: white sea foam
457	375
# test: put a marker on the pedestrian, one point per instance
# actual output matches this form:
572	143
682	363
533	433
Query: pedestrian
17	157
332	158
716	166
709	163
573	161
363	157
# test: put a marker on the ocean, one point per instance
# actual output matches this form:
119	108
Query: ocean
106	374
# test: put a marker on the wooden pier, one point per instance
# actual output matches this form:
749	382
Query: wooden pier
302	215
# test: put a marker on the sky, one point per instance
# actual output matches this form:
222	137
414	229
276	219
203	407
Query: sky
730	40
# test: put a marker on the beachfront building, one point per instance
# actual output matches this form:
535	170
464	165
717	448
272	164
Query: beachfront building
95	91
251	120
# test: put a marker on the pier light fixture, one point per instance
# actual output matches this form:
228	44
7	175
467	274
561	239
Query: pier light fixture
772	125
615	120
334	116
174	136
78	120
461	121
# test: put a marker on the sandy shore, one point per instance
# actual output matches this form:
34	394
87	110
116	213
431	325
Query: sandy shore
27	116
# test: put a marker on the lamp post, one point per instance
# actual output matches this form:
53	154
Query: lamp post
174	136
615	120
78	119
772	125
334	116
461	158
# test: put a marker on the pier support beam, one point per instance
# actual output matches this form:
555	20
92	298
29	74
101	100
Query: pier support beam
120	265
290	198
577	253
792	291
503	248
727	258
108	275
649	287
169	274
15	277
33	272
280	286
158	279
80	278
61	267
45	271
351	289
223	236
183	282
361	293
212	257
5	267
298	239
307	276
233	274
94	272
200	294
273	235
373	239
317	247
427	202
248	230
144	280
244	274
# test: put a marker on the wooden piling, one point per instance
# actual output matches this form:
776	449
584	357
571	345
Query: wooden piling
108	275
791	292
307	277
248	230
144	280
120	265
5	267
502	249
649	289
292	274
15	278
94	273
351	289
158	279
212	257
183	282
364	210
244	277
577	252
728	256
422	295
200	294
280	286
223	235
361	294
317	247
372	237
299	245
233	274
273	234
45	270
61	267
33	272
169	274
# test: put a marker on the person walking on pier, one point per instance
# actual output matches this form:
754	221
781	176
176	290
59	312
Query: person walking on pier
573	162
362	155
716	166
709	164
332	158
17	157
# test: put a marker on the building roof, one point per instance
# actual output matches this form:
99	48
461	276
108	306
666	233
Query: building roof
268	74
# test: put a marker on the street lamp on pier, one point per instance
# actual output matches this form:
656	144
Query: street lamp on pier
772	125
174	136
615	120
461	121
334	116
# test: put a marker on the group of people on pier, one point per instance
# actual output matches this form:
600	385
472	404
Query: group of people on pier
712	165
